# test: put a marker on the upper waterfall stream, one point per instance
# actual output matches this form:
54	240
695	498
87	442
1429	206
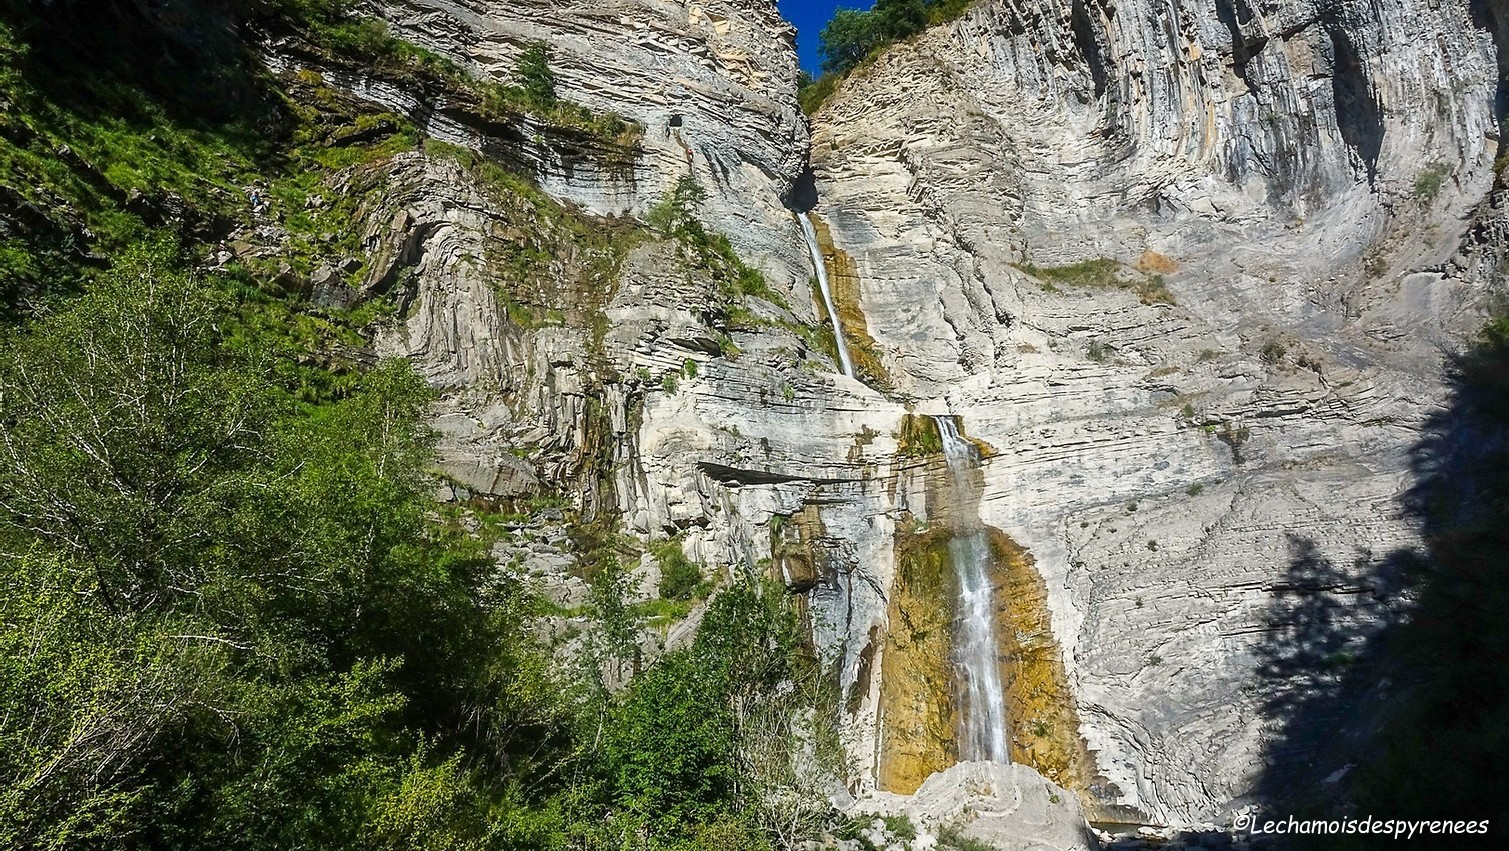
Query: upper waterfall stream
822	283
983	732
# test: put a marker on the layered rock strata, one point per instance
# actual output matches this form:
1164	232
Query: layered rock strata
713	83
1269	200
1190	269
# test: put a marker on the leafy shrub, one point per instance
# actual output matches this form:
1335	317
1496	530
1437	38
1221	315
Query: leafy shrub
276	643
672	744
918	436
536	78
676	213
900	826
1428	184
952	838
680	577
812	93
853	36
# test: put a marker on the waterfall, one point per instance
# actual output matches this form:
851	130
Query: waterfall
822	283
976	653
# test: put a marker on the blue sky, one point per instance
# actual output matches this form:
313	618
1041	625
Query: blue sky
810	16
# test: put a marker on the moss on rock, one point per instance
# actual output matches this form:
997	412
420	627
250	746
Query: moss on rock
918	728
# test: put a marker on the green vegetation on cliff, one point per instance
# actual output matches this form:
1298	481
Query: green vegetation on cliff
854	36
1103	273
231	616
337	29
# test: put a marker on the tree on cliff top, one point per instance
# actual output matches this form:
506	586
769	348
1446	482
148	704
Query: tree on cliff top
853	35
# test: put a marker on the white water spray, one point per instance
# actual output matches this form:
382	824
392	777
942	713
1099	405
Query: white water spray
822	283
976	653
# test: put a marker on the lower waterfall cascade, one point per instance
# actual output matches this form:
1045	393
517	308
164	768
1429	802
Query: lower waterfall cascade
984	733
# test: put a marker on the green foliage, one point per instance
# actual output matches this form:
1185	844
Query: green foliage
942	11
1103	273
102	146
901	827
730	833
680	577
672	749
728	348
618	622
1096	272
853	36
675	215
95	692
746	280
264	641
813	93
1428	184
849	37
536	78
918	436
229	618
1273	352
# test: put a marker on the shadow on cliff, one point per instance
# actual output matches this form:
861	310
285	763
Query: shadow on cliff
187	59
1384	684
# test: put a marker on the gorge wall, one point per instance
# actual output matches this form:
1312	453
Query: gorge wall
1189	270
1273	200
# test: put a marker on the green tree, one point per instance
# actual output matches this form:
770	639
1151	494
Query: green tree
848	38
900	19
118	422
680	577
676	213
228	621
693	739
536	78
852	35
85	698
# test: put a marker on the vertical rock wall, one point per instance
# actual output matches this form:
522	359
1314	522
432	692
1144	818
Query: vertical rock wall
1292	203
716	78
1304	187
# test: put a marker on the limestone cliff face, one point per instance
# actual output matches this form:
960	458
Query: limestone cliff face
1288	209
1274	197
716	78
